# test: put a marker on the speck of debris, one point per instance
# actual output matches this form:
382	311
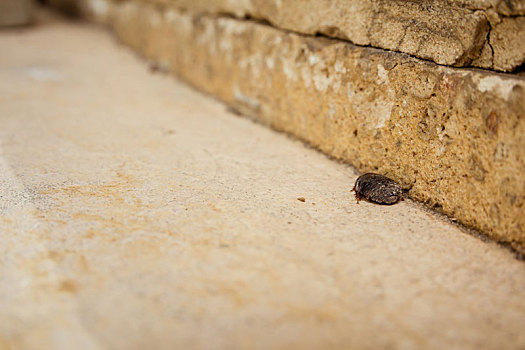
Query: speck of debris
301	199
154	67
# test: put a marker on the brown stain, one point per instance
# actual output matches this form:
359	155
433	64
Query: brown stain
448	85
6	220
68	286
492	123
113	190
117	214
213	206
111	212
54	255
91	233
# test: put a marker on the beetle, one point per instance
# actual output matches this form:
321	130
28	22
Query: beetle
377	188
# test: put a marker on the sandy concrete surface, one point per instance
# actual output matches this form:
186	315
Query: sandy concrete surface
139	214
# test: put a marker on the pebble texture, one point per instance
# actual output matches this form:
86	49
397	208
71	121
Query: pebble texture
138	214
486	34
453	137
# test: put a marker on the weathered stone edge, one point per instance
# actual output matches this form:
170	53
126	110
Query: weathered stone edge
450	32
459	33
454	137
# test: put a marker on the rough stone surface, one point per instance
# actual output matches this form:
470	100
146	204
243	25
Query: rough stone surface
485	34
453	137
509	50
15	12
137	214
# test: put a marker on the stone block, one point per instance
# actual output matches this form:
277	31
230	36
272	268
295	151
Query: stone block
486	34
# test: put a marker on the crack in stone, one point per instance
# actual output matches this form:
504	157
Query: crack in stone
490	44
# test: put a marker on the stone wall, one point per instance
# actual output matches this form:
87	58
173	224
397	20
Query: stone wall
481	33
454	137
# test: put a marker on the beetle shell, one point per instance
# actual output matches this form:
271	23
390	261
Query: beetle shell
377	188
